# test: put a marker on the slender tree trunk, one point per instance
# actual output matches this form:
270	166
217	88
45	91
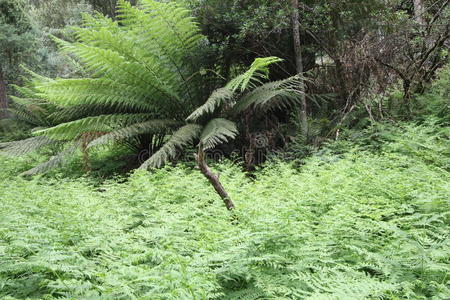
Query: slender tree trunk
419	12
303	118
3	96
334	43
213	179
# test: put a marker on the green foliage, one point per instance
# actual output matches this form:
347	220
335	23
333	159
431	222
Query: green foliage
246	92
216	132
437	100
16	41
54	18
355	225
253	76
16	37
53	15
183	137
139	80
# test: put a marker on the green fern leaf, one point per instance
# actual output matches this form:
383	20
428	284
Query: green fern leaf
22	147
102	124
278	94
153	126
181	138
216	132
216	99
54	161
258	71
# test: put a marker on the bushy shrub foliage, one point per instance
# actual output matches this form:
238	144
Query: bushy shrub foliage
355	225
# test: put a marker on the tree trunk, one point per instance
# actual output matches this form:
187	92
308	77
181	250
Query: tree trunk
3	96
303	118
334	43
213	179
419	12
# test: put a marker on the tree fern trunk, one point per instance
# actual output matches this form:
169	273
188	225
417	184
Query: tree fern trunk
419	12
3	96
213	179
303	118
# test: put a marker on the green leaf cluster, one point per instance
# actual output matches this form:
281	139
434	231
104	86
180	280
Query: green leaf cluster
354	225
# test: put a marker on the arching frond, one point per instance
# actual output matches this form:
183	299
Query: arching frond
166	29
18	148
258	71
217	98
76	112
54	161
110	64
102	92
29	113
181	138
277	94
103	123
153	126
121	40
216	132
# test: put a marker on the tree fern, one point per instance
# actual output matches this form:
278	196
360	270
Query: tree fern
136	70
246	91
139	73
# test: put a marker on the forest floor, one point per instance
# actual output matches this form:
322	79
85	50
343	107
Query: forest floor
366	220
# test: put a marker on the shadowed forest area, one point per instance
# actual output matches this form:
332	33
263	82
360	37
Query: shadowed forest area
224	149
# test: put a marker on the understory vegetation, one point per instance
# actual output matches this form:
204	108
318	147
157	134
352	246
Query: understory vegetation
224	149
350	224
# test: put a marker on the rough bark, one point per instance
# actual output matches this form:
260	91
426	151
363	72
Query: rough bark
213	179
3	96
303	118
419	12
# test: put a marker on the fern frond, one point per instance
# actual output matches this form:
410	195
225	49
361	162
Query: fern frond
258	71
107	63
54	161
217	98
251	293
30	113
153	126
167	28
216	132
105	92
335	284
76	112
181	138
120	40
103	123
22	147
277	94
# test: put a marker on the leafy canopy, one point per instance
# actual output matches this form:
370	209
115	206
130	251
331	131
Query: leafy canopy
137	82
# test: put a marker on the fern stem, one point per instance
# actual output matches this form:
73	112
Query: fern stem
213	179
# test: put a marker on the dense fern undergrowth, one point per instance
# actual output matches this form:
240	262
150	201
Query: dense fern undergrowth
351	223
